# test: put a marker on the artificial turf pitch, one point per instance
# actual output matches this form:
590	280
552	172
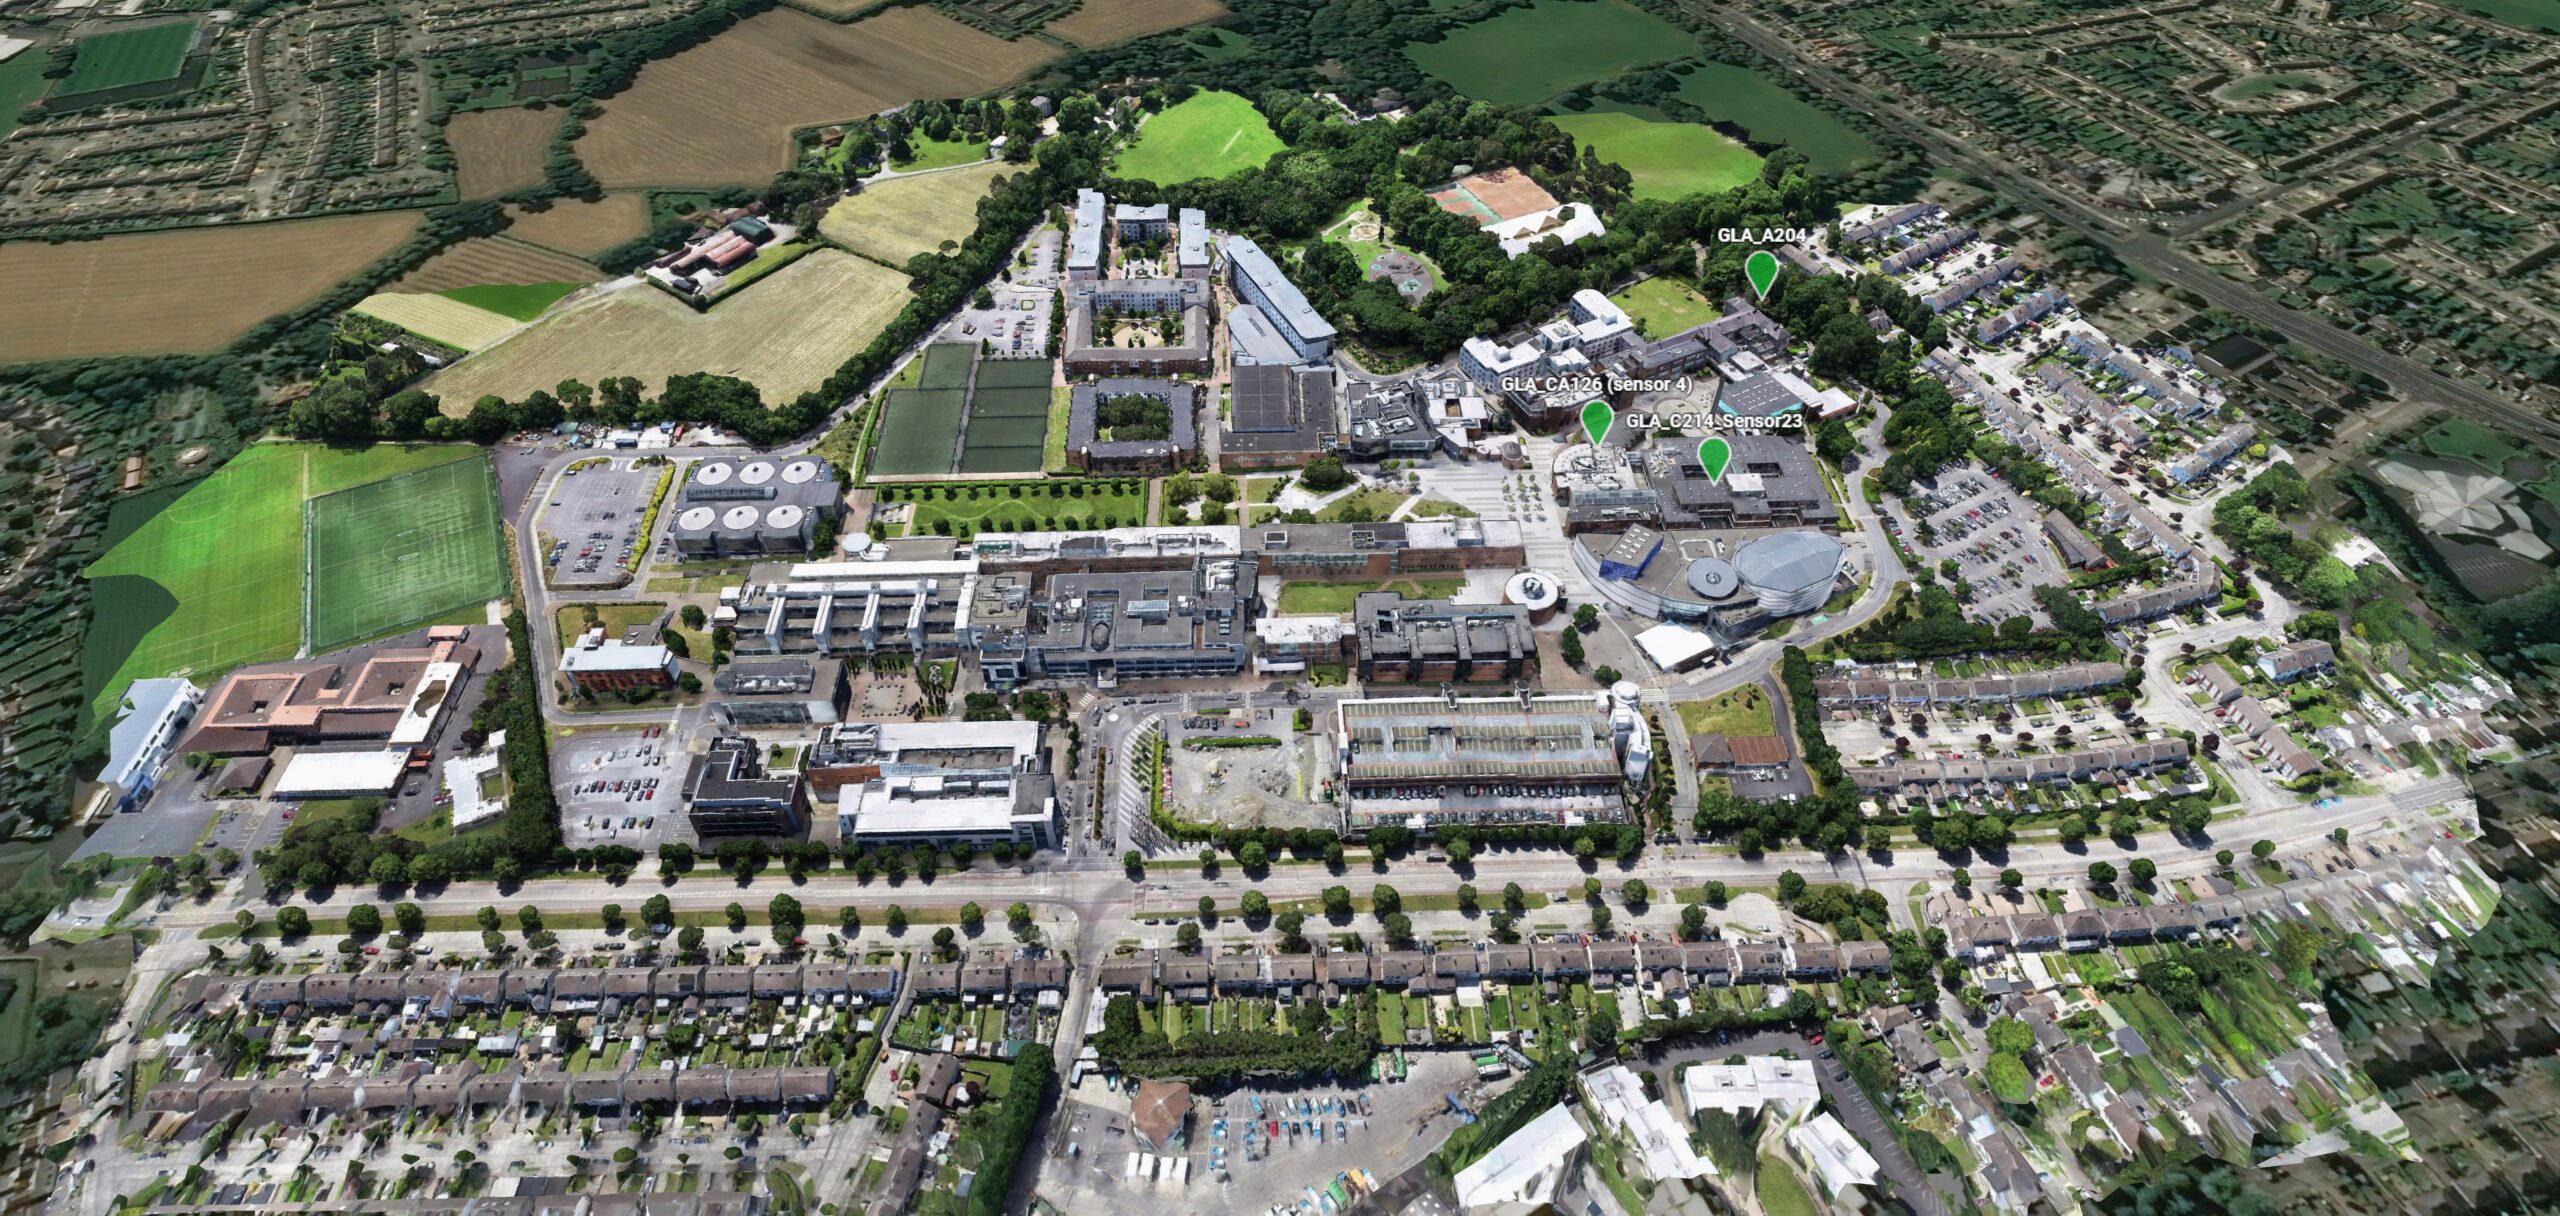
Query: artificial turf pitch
214	578
128	57
403	551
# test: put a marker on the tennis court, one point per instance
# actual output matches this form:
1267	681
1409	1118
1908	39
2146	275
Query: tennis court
1008	428
946	365
404	551
919	428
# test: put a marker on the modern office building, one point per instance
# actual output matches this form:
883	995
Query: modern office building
151	713
1371	552
1188	621
892	606
1426	641
729	792
1191	243
1257	280
907	783
786	691
1085	236
1524	758
1278	416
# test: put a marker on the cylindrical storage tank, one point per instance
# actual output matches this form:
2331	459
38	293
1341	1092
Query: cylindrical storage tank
755	472
714	473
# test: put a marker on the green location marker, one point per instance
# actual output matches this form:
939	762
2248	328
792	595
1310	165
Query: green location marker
1762	269
1713	455
1596	417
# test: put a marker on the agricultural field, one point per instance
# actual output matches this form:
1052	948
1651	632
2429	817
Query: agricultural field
1528	55
1668	159
403	551
968	508
119	58
148	292
665	130
786	337
500	151
488	260
441	318
1769	114
1662	306
579	227
1213	134
214	579
897	219
521	301
1099	22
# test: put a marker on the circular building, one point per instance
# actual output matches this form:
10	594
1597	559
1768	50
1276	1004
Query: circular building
713	473
1714	579
1790	572
755	472
1534	590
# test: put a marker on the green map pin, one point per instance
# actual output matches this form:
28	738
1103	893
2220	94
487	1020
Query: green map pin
1596	417
1713	455
1762	269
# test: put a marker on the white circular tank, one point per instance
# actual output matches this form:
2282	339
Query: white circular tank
784	518
800	472
739	518
755	472
696	519
714	473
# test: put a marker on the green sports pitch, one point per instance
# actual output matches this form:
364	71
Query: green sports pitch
129	57
199	580
402	552
1210	134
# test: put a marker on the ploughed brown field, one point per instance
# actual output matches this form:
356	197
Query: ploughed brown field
581	228
500	151
487	260
1099	22
181	291
722	113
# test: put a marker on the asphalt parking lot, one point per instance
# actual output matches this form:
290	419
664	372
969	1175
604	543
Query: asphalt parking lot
593	811
593	521
1017	327
1994	537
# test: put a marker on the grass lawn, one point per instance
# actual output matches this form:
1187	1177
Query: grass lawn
1378	503
574	619
930	153
214	577
1769	114
1022	506
523	301
1744	711
2472	444
1334	599
1662	307
126	57
1530	54
21	82
1668	159
1053	449
1213	134
1779	1192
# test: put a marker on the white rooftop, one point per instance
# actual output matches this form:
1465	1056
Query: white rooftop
613	654
1756	1082
1526	1169
426	705
1659	1138
1833	1153
1672	647
315	774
